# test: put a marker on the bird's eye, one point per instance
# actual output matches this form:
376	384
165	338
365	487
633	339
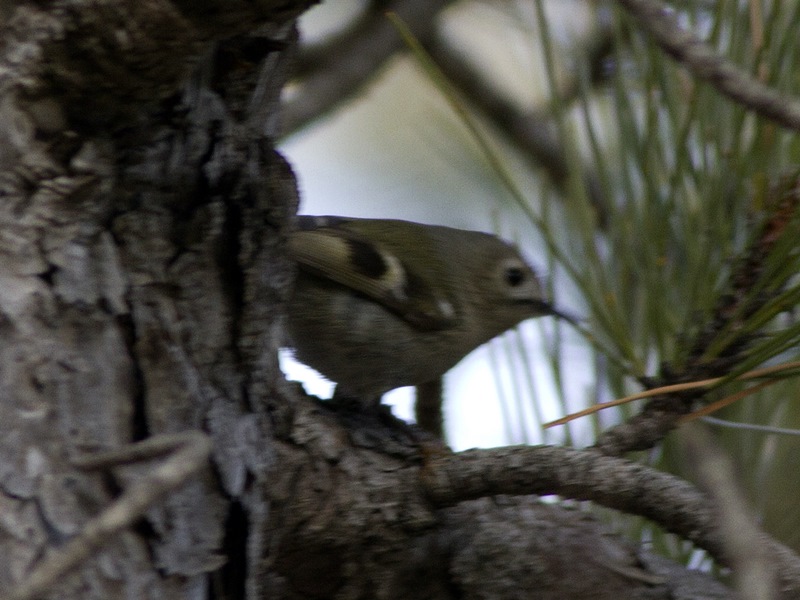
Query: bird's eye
514	276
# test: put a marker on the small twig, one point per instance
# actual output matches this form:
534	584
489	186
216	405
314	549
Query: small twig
767	429
186	454
723	402
689	50
683	387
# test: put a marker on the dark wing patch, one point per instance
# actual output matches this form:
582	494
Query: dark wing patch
366	259
351	260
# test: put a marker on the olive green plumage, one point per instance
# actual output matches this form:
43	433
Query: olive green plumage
379	304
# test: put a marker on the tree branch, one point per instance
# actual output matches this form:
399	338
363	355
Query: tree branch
753	571
587	475
533	132
728	321
353	60
689	50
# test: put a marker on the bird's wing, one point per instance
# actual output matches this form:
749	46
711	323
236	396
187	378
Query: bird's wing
345	257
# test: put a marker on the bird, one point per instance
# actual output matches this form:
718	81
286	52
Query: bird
384	303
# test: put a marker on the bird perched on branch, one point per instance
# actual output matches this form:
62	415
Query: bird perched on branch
379	304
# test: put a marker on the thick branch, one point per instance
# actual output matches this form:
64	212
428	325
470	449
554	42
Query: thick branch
587	475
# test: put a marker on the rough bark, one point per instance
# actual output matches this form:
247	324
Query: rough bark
142	283
141	270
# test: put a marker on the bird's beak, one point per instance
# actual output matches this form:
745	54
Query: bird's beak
548	309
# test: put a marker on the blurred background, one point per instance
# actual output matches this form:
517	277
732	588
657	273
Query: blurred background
637	191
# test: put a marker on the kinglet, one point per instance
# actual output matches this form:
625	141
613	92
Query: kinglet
379	304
